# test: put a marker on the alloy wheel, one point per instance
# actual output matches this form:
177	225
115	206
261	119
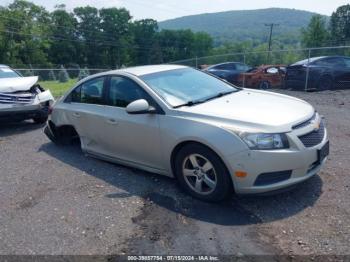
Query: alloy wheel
199	174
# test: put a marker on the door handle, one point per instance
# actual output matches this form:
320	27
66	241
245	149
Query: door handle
76	114
112	121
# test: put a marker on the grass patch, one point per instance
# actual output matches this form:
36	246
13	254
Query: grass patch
58	89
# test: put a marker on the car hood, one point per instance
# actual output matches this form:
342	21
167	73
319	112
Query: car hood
254	109
10	85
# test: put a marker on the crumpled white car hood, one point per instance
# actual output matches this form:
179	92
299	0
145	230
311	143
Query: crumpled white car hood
9	85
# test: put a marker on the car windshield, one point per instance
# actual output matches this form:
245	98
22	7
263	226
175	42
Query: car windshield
305	61
187	86
6	72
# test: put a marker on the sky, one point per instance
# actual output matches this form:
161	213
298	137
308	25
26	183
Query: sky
167	9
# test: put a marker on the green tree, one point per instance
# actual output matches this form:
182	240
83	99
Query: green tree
316	33
52	76
89	34
83	73
340	24
65	45
25	36
115	25
146	42
63	76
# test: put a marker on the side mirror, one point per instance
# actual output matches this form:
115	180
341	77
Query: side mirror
140	106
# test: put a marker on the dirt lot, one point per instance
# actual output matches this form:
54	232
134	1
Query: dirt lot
55	200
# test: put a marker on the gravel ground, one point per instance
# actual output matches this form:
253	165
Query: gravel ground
55	200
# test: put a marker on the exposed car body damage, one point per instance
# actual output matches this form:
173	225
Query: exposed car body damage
22	98
263	77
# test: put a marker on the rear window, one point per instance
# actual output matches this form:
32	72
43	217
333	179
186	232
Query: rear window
6	72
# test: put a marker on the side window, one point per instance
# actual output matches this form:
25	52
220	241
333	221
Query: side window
223	67
338	62
90	92
123	91
330	62
75	95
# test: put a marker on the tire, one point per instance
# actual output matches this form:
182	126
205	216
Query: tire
325	83
264	85
40	120
208	171
63	136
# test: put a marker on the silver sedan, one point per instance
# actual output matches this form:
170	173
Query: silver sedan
213	137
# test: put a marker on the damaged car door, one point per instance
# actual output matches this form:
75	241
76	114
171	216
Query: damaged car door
131	137
86	112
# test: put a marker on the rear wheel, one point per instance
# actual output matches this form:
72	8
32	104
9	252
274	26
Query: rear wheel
202	174
264	85
64	135
325	83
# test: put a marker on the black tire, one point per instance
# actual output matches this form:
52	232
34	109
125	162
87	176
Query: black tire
264	85
223	188
62	136
325	83
40	120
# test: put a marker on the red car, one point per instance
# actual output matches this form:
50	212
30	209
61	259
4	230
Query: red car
263	77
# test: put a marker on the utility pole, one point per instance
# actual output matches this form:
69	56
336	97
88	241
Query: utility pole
270	39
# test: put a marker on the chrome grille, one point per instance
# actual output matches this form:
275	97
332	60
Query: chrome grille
313	138
19	98
305	123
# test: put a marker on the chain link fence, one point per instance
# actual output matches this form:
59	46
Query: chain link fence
58	79
59	74
308	76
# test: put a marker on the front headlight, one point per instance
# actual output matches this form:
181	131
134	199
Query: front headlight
265	141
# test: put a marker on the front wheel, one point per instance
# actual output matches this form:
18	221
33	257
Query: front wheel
202	174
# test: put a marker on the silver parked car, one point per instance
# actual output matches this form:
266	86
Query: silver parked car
214	138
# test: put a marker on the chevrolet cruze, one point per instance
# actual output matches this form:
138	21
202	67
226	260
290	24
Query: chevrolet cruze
213	137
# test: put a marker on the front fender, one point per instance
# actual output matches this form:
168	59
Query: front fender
176	130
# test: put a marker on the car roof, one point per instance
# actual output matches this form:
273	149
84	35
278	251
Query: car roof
226	63
145	70
1	65
313	59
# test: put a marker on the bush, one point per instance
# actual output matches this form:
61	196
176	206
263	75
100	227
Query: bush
51	76
63	76
83	73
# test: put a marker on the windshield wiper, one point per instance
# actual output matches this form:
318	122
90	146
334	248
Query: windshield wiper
189	103
221	94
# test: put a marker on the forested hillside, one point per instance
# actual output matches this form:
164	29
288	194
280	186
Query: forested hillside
245	25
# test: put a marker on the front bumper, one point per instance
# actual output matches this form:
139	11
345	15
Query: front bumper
21	109
19	113
294	165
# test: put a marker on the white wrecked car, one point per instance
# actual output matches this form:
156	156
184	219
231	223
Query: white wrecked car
22	98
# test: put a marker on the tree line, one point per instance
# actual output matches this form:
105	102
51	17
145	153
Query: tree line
109	38
87	36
